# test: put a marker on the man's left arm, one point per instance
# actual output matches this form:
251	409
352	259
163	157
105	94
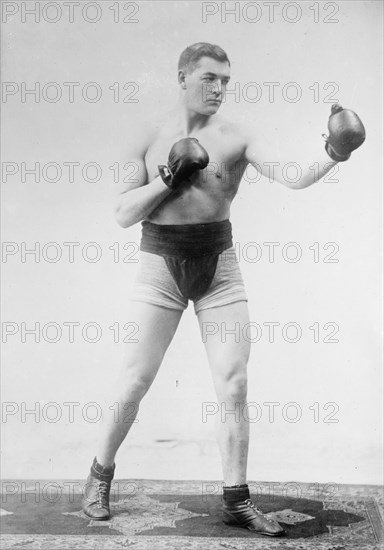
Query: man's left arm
346	133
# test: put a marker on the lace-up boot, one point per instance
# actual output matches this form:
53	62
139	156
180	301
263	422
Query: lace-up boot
95	503
240	511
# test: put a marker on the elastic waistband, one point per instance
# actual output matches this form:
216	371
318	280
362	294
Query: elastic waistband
186	240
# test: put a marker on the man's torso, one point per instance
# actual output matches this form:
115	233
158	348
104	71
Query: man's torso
208	196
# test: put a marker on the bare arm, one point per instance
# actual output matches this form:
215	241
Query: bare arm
263	156
137	198
135	204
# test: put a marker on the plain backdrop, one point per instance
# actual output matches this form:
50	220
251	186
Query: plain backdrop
343	61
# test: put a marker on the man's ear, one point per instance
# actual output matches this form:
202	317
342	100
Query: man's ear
181	78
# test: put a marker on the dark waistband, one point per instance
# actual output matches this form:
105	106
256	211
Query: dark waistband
186	240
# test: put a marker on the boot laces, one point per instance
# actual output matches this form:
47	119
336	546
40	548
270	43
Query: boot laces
102	494
252	505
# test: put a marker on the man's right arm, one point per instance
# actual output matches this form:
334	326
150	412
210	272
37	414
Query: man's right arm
136	197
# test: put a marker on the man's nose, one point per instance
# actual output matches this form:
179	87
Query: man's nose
218	88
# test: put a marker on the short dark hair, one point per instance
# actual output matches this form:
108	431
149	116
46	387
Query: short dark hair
191	55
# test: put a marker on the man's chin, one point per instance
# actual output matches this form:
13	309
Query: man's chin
211	108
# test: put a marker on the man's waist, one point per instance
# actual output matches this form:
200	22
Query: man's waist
186	240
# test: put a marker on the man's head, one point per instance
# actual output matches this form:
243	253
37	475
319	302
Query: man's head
203	73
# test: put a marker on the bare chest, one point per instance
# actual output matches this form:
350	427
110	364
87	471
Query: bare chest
226	164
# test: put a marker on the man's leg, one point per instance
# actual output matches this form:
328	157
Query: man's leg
228	355
156	328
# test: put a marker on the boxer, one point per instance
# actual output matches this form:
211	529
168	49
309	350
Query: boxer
189	170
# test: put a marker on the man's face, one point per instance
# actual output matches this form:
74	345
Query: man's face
206	85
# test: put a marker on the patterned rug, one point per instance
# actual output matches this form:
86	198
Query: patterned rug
151	514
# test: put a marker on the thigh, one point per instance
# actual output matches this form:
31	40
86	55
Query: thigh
153	328
222	330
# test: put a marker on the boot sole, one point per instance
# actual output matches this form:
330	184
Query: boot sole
233	524
96	519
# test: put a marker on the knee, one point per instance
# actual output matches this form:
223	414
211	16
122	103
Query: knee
236	389
234	386
136	377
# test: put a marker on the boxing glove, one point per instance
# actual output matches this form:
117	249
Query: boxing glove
185	158
346	133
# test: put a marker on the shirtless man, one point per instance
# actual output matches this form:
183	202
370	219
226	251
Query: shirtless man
187	253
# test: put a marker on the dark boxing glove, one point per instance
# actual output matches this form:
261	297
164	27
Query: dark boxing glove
346	133
185	158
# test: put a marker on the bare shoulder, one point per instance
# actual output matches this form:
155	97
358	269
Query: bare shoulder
235	129
251	134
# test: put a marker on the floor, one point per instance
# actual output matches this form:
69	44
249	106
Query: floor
157	514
